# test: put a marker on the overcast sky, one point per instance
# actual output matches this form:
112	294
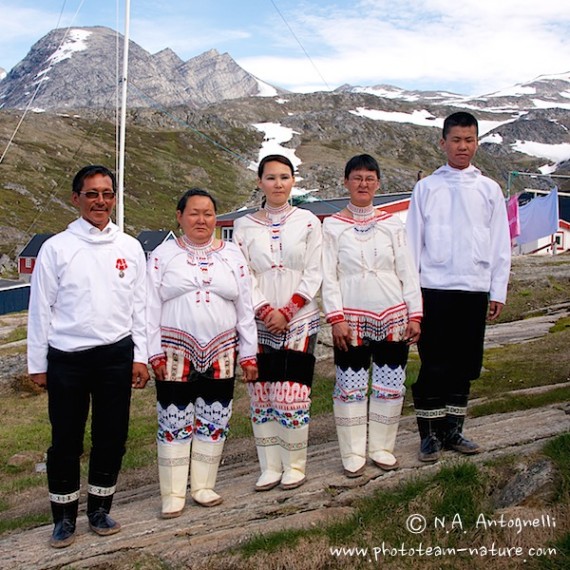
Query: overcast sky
470	47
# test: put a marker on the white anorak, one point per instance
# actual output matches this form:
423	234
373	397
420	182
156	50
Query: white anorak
203	313
458	232
283	267
369	278
88	289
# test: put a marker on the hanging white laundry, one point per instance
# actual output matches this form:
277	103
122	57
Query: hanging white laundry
538	218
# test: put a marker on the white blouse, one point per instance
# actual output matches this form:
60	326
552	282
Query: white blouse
284	259
368	277
200	305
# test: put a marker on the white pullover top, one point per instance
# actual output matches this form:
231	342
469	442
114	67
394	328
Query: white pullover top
459	234
369	279
285	260
200	306
88	289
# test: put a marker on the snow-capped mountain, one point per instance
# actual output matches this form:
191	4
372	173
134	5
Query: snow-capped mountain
544	92
75	68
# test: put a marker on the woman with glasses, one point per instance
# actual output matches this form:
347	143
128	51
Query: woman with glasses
199	315
283	247
371	297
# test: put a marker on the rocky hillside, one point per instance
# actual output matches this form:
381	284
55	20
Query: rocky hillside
204	123
171	149
546	91
71	68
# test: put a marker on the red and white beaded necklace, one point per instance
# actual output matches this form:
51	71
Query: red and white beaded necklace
364	220
199	255
276	218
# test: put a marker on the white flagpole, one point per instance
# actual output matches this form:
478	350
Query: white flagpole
122	123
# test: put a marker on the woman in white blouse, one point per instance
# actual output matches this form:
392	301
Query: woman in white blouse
371	297
199	314
283	247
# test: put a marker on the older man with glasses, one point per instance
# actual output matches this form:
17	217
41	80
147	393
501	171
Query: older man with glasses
87	343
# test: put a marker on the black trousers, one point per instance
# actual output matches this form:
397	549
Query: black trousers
380	352
100	377
450	347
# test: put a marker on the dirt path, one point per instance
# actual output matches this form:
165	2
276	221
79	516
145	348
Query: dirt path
245	513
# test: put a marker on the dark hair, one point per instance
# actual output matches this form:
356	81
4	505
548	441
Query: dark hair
274	158
459	119
87	172
191	193
361	162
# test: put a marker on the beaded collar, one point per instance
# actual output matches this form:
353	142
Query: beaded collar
189	245
275	214
360	214
199	255
276	218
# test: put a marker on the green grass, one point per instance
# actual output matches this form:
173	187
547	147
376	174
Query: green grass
541	362
24	522
559	452
18	333
560	325
452	502
515	402
524	298
321	396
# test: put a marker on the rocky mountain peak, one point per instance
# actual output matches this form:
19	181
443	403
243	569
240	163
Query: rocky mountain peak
71	68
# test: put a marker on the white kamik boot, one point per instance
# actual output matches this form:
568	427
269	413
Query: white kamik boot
383	422
293	455
206	456
269	454
350	420
173	464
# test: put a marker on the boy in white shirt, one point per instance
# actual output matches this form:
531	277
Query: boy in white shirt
459	238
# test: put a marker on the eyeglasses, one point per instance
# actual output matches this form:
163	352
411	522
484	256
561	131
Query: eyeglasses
360	180
93	195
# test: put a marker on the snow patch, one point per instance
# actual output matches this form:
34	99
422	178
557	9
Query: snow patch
74	42
493	138
548	169
275	136
423	118
514	91
387	93
265	90
540	104
553	152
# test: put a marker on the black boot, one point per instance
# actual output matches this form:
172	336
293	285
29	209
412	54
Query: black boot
64	517
100	522
430	446
454	438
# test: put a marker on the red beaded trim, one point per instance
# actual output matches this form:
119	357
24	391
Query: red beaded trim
157	362
263	311
292	307
334	319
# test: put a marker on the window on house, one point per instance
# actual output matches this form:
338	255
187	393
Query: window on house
227	233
